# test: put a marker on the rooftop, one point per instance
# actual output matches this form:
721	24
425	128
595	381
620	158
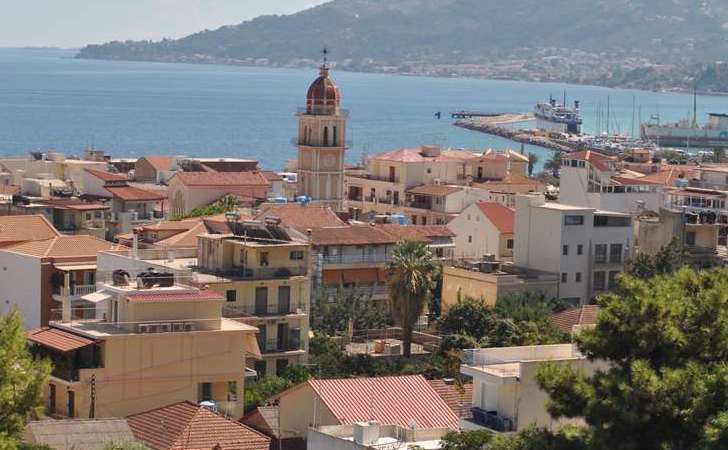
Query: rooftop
301	217
505	362
187	426
24	228
418	155
222	179
106	176
78	434
585	315
434	189
134	194
159	162
63	246
500	216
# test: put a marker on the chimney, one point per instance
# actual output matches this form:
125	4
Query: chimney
66	301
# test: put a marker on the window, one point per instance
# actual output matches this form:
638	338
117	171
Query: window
260	368
204	392
429	170
599	281
97	214
579	249
232	391
615	253
509	244
231	295
470	239
71	406
88	216
690	238
263	258
578	277
611	221
565	250
613	279
573	220
281	365
564	277
297	255
600	253
261	301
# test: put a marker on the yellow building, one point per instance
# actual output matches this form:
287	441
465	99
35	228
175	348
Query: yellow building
488	280
153	342
263	273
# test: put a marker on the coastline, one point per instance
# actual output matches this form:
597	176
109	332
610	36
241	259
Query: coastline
377	70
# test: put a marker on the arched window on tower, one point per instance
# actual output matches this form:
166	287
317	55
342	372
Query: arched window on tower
308	140
335	141
326	136
305	135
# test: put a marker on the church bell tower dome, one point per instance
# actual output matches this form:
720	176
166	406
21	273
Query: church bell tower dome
323	95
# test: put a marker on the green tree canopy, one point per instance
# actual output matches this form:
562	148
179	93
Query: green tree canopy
666	387
22	378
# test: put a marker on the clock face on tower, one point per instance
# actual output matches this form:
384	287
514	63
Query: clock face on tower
329	161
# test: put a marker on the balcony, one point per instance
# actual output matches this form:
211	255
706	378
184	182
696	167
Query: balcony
376	291
492	420
76	292
279	346
264	310
255	273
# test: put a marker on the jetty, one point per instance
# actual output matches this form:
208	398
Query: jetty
494	125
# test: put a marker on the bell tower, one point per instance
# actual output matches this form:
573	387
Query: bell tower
322	142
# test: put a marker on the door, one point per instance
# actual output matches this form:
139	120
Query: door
261	301
71	404
282	337
262	337
51	399
391	174
284	299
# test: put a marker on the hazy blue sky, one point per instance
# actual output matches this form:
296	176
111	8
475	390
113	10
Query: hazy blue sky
74	23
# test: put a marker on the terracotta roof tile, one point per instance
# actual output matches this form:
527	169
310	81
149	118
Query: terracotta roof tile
500	216
416	155
248	178
352	235
154	297
421	233
302	217
186	238
159	162
131	193
14	229
669	175
106	176
458	398
186	426
598	160
582	315
399	400
434	189
63	246
58	339
271	176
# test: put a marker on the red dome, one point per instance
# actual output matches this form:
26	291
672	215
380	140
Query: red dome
323	95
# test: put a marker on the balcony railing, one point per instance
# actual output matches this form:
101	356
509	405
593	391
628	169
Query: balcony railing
267	310
77	290
355	259
256	273
375	291
279	345
492	420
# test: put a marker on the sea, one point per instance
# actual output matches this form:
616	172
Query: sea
51	101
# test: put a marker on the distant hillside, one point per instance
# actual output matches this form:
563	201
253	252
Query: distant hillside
461	37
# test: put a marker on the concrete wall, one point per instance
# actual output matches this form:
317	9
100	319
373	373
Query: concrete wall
20	284
476	236
301	408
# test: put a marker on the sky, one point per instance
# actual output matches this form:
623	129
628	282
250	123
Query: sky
75	23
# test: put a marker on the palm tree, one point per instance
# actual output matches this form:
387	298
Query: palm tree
410	286
553	164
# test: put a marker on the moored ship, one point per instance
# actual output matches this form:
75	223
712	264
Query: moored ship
688	133
552	116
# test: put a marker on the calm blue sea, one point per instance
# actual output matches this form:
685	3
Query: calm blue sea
50	101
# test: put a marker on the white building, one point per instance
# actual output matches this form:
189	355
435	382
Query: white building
598	181
484	228
506	395
586	246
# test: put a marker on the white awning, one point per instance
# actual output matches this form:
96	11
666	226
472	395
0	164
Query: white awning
96	297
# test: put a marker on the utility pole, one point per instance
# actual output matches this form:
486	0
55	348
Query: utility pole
92	411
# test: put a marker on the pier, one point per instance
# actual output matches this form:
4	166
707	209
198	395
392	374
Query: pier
494	125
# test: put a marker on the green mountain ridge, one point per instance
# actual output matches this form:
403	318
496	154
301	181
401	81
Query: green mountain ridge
406	35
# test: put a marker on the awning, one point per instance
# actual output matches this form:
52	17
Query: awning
58	339
250	345
72	267
96	297
354	276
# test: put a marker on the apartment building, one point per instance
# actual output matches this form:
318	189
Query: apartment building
599	181
506	395
68	215
190	190
263	273
48	165
430	185
32	274
701	206
586	246
484	228
150	341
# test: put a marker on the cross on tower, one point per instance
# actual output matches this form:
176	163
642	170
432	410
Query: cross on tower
326	53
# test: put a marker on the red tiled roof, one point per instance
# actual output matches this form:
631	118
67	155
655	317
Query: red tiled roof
416	155
58	339
184	239
130	193
106	176
174	297
583	315
186	426
421	233
506	155
668	176
24	228
434	189
302	217
159	162
248	178
632	181
399	400
63	246
271	176
458	397
500	216
352	235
